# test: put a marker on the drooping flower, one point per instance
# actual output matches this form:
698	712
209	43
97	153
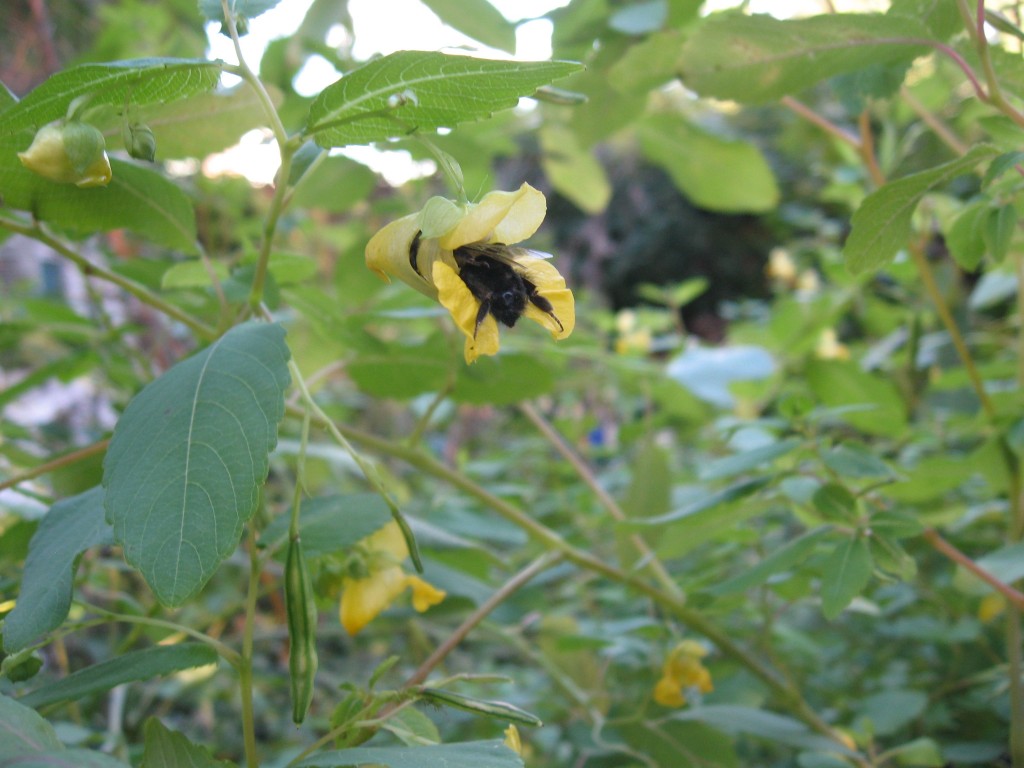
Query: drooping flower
682	670
69	152
376	580
462	256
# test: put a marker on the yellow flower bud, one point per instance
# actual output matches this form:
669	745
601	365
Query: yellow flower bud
68	153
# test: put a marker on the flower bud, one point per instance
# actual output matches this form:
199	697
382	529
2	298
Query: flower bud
140	142
69	153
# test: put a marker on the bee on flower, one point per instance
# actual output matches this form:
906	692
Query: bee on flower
375	579
465	258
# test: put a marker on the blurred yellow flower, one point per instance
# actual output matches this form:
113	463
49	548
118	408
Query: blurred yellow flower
380	580
461	256
780	266
991	606
68	153
512	740
830	348
682	669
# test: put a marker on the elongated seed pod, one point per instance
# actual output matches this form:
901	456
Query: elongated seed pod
301	609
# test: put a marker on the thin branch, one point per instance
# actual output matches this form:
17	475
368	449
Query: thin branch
54	464
940	544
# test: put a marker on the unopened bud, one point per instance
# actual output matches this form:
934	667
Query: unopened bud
69	153
140	142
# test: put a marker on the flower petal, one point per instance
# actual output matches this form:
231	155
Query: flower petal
424	594
464	307
551	285
500	217
388	254
669	693
389	539
363	599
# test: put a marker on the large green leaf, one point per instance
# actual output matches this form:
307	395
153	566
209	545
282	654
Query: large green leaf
137	665
477	19
848	572
23	731
470	754
791	554
189	455
133	82
412	91
137	198
719	174
169	749
759	58
873	402
882	224
70	527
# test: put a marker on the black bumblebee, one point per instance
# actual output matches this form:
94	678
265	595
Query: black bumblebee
496	279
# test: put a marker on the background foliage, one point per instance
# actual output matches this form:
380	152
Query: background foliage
788	426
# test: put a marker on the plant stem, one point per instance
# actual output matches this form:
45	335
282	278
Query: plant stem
38	232
1012	595
54	464
647	555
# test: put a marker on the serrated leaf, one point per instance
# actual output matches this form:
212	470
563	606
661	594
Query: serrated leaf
132	82
137	198
71	526
791	554
882	224
189	455
23	731
125	668
477	19
412	91
470	754
718	174
758	58
847	572
165	748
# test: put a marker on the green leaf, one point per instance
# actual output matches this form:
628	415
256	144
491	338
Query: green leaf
573	170
882	224
931	478
23	731
331	524
67	758
756	722
188	457
706	503
193	274
857	461
500	710
998	229
791	554
848	571
134	82
718	174
966	237
890	711
403	370
648	63
470	754
477	19
834	502
204	123
503	380
137	198
747	460
837	383
71	526
335	185
165	748
412	91
125	668
919	752
758	58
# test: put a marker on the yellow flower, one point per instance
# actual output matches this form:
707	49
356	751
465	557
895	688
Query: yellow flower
830	348
682	669
381	580
460	256
68	153
512	740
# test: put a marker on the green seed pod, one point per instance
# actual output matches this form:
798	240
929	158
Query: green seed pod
301	608
140	142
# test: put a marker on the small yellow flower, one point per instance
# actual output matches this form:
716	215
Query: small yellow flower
682	669
991	606
780	266
512	740
460	256
381	580
68	153
830	348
